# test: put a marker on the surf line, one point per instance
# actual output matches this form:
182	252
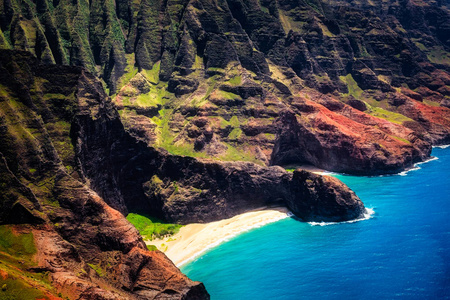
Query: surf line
368	214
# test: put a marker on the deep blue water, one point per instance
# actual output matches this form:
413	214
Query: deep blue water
403	252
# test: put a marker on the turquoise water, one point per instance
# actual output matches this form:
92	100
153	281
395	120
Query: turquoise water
403	252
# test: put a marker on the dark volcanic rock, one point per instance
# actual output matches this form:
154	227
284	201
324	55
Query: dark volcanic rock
326	196
81	241
180	85
251	59
357	104
110	168
225	189
174	188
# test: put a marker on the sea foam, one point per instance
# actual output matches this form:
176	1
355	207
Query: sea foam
368	214
417	166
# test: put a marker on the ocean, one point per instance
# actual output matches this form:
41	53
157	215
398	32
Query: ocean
401	252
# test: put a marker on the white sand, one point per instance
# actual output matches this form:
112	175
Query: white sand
194	239
310	168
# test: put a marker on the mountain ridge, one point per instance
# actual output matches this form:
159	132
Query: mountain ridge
70	172
208	100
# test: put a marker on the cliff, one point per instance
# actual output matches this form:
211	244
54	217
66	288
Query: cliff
367	81
208	100
55	228
70	171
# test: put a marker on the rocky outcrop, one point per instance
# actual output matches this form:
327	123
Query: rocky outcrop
75	170
241	63
354	143
325	198
87	249
130	175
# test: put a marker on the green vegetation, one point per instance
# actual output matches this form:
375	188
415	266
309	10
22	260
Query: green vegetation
14	289
387	115
153	98
238	154
17	250
152	247
382	109
234	121
153	74
61	141
151	228
228	95
353	88
432	103
363	51
384	78
289	23
421	46
97	269
236	80
325	30
130	71
235	134
18	245
401	139
270	136
4	41
166	139
175	187
164	247
438	55
211	85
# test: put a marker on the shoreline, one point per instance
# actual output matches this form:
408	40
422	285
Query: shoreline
309	168
442	146
194	239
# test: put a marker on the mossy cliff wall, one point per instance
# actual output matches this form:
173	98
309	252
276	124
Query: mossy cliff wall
69	241
67	164
319	40
181	71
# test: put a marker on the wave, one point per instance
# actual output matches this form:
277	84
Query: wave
329	173
368	214
442	146
233	234
416	166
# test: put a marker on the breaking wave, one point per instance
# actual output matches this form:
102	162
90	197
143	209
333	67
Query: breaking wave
417	165
368	214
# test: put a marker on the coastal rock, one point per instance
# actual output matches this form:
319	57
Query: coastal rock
90	166
81	244
132	176
346	140
245	62
324	198
359	87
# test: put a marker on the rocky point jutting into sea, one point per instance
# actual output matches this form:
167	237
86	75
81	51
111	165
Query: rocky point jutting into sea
207	99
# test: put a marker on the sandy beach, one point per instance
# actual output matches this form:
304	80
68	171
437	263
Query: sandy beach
194	239
310	168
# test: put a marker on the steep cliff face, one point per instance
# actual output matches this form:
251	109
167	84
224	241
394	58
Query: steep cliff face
69	170
213	78
349	86
55	228
130	175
